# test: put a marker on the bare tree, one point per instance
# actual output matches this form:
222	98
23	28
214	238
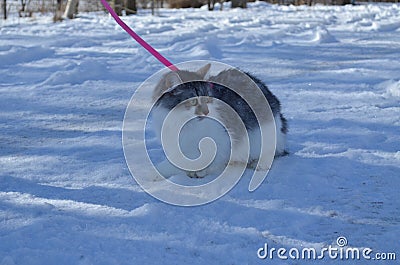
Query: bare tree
185	3
239	3
211	4
153	7
117	6
23	12
5	9
23	4
130	7
58	12
71	9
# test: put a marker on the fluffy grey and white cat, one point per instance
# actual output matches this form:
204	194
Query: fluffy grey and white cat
205	100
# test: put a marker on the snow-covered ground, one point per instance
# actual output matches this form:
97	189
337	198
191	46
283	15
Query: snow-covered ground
66	194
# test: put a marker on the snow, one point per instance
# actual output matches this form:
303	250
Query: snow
67	196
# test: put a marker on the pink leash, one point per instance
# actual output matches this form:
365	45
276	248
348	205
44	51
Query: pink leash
137	38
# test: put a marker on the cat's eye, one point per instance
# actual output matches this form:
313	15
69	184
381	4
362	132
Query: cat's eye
193	102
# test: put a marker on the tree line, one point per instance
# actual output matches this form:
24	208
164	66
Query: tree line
69	8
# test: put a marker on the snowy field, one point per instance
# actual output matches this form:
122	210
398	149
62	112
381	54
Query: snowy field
66	194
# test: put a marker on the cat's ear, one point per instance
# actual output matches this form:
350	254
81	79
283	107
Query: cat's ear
173	79
203	70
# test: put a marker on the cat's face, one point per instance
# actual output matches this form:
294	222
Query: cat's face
199	106
175	78
191	99
200	102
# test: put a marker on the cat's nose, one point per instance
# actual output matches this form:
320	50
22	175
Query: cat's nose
204	109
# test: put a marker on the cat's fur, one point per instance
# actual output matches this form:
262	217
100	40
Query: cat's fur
177	86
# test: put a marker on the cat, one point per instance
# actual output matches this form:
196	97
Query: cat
233	77
205	100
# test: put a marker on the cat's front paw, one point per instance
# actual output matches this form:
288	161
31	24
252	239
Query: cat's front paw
237	163
253	164
197	174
